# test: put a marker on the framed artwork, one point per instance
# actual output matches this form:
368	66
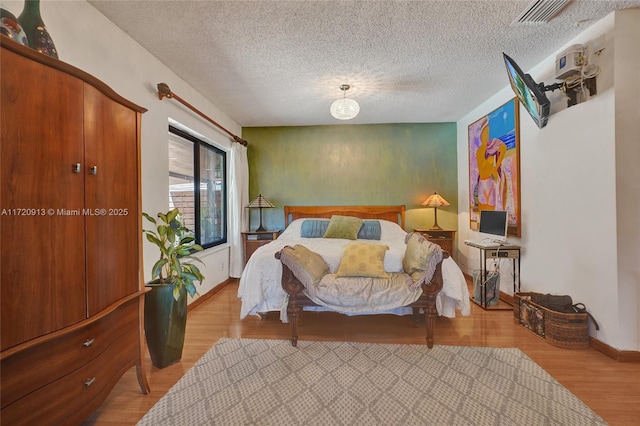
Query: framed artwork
494	165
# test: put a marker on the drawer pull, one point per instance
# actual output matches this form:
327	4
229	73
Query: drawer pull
88	343
89	382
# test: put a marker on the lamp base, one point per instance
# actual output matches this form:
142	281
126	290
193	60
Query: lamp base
435	226
260	227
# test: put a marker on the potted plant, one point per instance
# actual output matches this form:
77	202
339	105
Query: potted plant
165	306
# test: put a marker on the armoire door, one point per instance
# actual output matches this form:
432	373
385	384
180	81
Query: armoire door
41	200
112	191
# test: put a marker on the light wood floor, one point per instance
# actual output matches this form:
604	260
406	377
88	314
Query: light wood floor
610	388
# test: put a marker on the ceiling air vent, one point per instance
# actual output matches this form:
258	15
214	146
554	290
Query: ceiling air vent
540	11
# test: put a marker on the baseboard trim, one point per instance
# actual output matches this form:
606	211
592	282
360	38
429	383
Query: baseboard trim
506	298
611	352
201	299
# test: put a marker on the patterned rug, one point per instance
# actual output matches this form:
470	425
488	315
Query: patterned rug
269	382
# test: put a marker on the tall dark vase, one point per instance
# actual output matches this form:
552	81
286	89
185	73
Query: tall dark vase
37	34
165	321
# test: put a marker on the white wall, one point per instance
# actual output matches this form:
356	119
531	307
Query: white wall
569	197
87	40
627	70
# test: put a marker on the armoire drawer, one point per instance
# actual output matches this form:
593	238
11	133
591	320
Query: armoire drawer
52	403
35	367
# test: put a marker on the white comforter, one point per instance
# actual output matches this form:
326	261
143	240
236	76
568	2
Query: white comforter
261	290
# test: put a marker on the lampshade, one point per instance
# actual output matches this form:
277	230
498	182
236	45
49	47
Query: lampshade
345	108
435	201
261	202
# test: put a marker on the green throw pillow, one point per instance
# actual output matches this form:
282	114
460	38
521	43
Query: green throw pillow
345	227
363	260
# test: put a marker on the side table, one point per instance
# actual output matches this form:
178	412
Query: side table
442	237
251	240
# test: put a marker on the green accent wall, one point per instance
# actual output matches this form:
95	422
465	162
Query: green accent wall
364	164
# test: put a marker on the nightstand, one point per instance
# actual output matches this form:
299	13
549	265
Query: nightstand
442	237
251	240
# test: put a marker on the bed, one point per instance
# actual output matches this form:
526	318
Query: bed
261	290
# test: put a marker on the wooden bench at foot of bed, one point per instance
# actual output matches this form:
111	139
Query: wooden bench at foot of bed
427	301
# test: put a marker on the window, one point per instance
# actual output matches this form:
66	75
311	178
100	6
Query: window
198	186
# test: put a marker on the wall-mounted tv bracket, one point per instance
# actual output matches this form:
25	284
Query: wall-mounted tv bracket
551	87
572	94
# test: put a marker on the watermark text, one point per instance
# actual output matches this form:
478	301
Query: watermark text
25	211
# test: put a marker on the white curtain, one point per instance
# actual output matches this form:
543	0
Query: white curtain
238	200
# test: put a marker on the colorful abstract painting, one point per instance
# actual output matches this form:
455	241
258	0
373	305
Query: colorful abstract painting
494	165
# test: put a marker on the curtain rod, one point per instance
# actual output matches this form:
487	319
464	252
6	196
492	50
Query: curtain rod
164	91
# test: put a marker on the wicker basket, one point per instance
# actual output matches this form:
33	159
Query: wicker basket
568	331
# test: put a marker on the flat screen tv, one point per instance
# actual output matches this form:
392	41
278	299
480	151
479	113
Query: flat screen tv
530	93
493	225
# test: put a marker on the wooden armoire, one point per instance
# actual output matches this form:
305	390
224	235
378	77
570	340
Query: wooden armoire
71	284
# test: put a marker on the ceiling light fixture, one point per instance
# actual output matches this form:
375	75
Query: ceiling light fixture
345	108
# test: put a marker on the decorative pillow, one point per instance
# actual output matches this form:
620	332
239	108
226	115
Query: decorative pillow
308	266
314	228
363	260
371	230
420	258
345	227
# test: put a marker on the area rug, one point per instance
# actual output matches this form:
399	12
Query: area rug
269	382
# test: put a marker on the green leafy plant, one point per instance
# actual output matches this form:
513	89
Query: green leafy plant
176	245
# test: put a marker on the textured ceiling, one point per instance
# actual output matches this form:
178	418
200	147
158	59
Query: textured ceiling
280	63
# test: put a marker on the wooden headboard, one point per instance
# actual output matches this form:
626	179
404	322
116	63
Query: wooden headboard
390	213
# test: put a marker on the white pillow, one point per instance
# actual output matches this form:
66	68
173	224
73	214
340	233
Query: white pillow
391	231
294	228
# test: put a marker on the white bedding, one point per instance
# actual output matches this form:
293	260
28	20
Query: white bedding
261	290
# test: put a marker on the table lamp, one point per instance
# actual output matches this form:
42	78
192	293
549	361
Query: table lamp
260	202
435	201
